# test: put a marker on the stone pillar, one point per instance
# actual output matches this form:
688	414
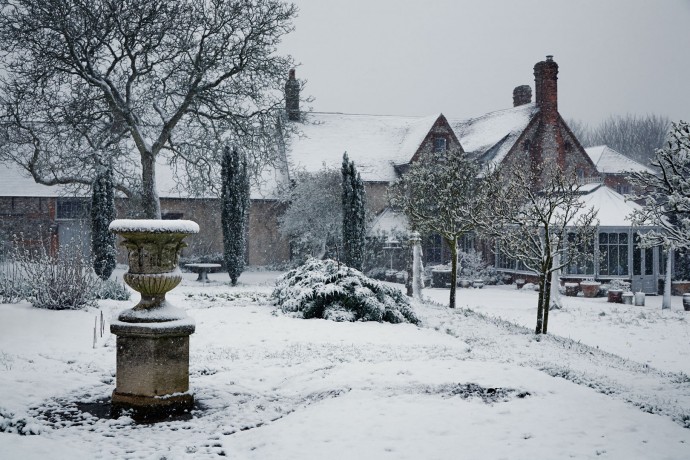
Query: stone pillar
417	268
152	377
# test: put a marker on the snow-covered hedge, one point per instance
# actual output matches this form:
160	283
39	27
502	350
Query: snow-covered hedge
325	289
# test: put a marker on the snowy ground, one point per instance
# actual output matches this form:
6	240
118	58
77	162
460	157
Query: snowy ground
610	381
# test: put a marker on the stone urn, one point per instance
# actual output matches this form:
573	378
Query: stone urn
686	302
153	336
590	288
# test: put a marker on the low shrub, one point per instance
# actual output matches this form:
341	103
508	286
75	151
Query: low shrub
113	290
63	280
329	290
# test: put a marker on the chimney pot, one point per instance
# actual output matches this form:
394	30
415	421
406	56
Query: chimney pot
522	95
549	57
292	97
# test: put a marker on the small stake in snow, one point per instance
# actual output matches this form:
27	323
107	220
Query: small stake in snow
95	324
102	324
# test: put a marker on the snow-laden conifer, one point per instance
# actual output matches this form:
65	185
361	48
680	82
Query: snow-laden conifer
102	214
354	215
330	290
235	211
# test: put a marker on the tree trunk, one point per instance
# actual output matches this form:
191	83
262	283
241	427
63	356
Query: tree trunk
546	302
666	302
151	205
540	306
453	244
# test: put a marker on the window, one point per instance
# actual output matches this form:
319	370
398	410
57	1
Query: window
172	216
439	144
580	267
435	251
623	189
70	209
613	250
466	243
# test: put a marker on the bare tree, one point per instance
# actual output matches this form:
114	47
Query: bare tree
440	194
151	76
635	136
313	219
536	217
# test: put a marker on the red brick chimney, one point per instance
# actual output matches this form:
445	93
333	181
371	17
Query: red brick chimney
522	95
292	97
546	87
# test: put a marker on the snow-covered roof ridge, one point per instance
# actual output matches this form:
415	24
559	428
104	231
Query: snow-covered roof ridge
492	135
374	142
610	161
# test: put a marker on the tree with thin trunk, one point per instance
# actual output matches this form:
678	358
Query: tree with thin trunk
440	194
235	211
156	77
354	215
102	214
536	217
666	198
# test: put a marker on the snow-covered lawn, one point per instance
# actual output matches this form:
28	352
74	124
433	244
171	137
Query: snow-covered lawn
270	386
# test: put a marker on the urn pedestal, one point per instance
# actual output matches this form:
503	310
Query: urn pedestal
152	376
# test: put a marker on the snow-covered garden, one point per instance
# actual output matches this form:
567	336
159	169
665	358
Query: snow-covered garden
609	381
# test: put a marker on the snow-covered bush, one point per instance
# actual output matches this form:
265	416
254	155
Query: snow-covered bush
64	280
619	284
326	289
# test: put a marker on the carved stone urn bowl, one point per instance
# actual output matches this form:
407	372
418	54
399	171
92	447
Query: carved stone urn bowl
153	253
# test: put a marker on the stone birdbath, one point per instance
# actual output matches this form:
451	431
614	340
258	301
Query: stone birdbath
153	336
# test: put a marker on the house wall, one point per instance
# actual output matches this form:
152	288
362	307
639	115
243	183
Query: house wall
31	218
265	244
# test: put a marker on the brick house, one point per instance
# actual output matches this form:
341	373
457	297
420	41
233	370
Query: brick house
382	147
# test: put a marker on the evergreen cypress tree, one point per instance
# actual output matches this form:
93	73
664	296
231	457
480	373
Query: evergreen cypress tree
354	216
235	211
102	213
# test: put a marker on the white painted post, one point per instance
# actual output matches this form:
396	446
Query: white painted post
417	268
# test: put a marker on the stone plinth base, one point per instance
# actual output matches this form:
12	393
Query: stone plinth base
153	368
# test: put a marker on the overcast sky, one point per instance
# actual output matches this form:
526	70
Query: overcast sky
463	58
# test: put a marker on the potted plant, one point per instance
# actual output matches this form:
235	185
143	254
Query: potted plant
616	289
590	288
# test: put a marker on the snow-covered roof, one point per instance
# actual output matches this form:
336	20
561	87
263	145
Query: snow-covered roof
388	222
17	182
610	161
374	142
613	209
491	136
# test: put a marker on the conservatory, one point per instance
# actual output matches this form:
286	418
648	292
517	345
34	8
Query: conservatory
616	249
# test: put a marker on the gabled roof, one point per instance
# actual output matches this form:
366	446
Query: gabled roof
610	161
374	142
491	136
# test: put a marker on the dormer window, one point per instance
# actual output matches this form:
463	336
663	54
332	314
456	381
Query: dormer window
439	144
